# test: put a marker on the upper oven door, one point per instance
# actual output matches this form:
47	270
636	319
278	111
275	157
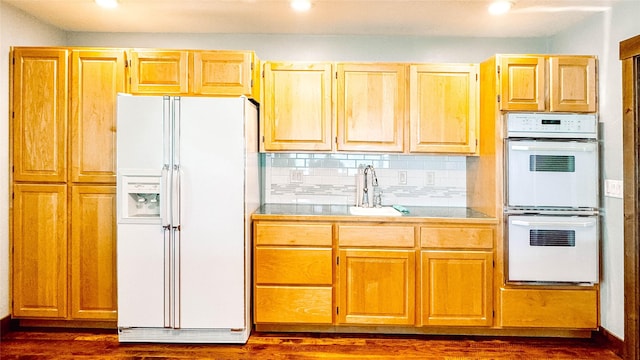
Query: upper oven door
552	174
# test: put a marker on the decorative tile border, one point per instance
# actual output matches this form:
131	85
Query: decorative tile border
330	178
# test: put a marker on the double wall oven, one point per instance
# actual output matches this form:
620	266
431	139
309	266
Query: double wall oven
551	199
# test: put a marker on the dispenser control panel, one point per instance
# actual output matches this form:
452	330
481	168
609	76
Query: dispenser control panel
140	198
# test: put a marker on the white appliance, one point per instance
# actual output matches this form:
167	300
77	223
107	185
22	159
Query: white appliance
188	182
545	248
552	161
552	198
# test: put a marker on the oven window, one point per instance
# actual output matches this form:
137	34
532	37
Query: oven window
552	238
552	163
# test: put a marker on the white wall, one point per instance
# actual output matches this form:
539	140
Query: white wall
16	29
601	35
325	48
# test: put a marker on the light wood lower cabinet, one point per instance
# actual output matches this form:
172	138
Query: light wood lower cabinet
546	308
376	274
457	287
457	275
377	286
40	251
293	273
93	253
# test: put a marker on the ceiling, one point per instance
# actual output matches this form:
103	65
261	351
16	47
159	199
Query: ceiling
464	18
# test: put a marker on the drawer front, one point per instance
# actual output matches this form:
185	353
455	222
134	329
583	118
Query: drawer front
456	238
288	304
293	234
376	235
293	266
571	309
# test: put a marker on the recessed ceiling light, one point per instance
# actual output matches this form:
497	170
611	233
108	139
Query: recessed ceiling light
110	4
301	5
500	7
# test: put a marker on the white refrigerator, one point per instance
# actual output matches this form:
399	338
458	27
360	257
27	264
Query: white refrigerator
188	182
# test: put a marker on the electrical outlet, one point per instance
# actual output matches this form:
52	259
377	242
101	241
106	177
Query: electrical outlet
430	178
402	178
295	176
613	188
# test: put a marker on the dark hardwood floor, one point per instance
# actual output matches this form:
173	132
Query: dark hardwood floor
38	344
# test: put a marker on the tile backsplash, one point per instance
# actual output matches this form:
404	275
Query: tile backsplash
413	180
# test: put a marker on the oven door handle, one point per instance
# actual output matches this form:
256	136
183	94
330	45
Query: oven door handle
554	223
566	147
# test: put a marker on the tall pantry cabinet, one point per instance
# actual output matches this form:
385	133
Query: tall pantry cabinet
63	182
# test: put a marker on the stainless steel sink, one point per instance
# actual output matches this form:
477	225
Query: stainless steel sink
381	211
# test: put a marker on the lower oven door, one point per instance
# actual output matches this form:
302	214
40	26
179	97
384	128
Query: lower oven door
545	248
552	173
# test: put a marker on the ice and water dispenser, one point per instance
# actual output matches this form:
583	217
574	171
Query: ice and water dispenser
140	198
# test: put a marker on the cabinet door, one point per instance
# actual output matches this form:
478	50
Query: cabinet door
522	83
443	108
297	106
97	78
572	84
377	287
457	288
93	252
222	73
159	72
40	95
40	251
371	107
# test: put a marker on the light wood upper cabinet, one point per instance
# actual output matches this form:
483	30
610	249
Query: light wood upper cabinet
547	83
194	72
443	107
371	107
297	106
223	73
377	286
39	251
572	84
93	253
159	72
40	100
522	83
97	76
457	288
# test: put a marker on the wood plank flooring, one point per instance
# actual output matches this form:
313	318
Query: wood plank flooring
38	344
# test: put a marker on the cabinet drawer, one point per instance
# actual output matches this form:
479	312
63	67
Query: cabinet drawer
293	234
376	235
571	309
288	304
293	266
453	238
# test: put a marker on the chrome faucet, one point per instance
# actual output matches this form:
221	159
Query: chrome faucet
365	190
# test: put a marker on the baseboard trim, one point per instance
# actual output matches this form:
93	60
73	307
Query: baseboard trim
6	325
604	337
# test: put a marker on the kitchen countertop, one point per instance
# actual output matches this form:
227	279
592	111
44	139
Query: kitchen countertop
310	212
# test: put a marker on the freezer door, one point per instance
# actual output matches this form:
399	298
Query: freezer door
140	132
141	276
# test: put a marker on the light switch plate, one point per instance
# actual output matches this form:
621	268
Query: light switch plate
613	188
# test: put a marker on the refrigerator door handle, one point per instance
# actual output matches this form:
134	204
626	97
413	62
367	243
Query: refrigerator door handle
175	198
176	278
166	130
176	131
168	297
165	196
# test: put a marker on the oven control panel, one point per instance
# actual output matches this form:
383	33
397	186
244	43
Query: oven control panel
552	125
